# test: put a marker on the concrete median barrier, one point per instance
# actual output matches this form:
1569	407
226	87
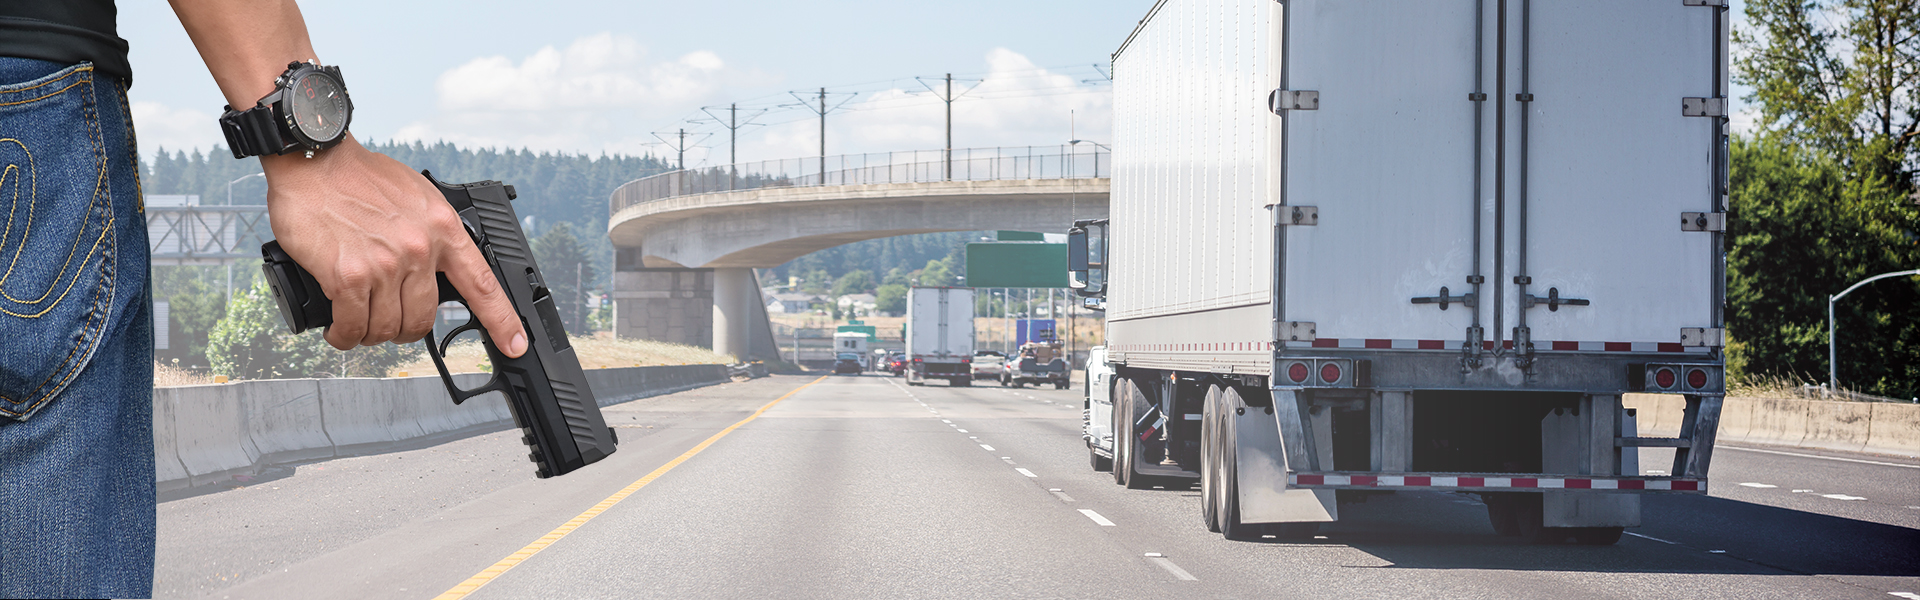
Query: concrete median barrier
167	470
208	434
1837	425
210	426
1896	429
283	419
1736	418
1777	421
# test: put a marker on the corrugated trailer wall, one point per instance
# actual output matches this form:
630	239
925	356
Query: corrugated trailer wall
1193	178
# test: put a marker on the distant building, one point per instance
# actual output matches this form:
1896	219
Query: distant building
792	303
861	303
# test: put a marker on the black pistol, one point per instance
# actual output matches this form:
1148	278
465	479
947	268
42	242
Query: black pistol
545	388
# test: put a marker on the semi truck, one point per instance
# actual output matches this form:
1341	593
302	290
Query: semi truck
1421	245
940	335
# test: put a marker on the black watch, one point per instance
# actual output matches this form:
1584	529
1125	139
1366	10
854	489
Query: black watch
308	110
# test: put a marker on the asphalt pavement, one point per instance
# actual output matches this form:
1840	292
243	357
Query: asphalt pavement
864	487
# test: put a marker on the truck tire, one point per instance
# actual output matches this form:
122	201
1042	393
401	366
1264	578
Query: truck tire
1225	454
963	382
1501	514
1019	384
1059	385
1597	536
1210	460
1124	443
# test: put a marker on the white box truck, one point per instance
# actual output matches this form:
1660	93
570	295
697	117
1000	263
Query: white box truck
940	335
1362	247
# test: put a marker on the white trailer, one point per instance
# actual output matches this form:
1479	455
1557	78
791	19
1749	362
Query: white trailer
940	335
1413	245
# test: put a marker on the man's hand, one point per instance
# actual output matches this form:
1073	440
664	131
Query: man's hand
374	234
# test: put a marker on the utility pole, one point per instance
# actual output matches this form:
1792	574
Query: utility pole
679	144
1833	355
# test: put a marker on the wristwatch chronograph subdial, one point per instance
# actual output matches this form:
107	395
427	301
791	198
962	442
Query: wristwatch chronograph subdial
319	107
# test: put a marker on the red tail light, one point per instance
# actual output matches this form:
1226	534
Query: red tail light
1330	372
1664	378
1696	379
1297	372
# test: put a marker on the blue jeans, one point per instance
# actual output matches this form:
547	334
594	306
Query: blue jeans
76	339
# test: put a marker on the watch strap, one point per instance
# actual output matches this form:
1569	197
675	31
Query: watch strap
252	132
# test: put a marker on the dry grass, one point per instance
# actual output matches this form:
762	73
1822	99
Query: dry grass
169	376
597	351
1792	389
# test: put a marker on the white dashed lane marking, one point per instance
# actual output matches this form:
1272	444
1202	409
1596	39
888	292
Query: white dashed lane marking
1025	472
1061	495
1758	485
1907	595
1096	517
986	447
1178	573
1841	497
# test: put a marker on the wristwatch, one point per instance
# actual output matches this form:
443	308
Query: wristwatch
308	110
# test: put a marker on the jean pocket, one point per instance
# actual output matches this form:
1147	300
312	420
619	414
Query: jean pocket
56	238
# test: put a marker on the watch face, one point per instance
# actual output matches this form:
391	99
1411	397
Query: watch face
319	107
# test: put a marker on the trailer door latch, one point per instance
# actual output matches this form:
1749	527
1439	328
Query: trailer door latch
1282	101
1703	221
1554	301
1444	299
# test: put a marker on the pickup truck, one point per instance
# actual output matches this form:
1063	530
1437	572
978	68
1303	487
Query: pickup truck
1032	370
989	366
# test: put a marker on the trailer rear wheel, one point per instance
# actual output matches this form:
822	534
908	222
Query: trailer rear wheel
1597	536
963	382
1227	474
1501	513
1210	461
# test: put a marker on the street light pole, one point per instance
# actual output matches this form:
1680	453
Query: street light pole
1833	369
230	203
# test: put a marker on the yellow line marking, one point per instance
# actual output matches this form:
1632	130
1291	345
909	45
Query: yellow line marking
490	573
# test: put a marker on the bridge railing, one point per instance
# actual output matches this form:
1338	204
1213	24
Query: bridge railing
918	166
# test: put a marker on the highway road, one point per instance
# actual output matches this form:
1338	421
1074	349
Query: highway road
863	487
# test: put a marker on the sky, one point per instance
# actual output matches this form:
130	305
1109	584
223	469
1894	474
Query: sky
592	76
583	76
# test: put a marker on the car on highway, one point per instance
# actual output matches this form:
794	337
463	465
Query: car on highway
847	362
897	364
989	366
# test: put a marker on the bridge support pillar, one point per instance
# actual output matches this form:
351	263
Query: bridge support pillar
736	297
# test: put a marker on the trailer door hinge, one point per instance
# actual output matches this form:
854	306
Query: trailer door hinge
1708	337
1719	3
1300	215
1703	221
1282	101
1703	107
1300	331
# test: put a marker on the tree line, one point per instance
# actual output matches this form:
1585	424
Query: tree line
1823	194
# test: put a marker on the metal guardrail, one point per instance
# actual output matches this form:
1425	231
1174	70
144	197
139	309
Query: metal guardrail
1079	161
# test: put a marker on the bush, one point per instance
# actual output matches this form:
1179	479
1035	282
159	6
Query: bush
252	342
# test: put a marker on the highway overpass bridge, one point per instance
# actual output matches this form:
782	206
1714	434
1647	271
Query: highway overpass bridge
686	242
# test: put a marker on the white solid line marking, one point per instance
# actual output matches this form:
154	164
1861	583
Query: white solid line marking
1851	460
1178	573
1096	517
1025	472
988	448
1841	497
1648	537
1907	595
1758	485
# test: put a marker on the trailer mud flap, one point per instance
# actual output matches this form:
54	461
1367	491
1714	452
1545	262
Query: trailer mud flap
1261	451
1581	442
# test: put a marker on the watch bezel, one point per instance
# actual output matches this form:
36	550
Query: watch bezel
282	99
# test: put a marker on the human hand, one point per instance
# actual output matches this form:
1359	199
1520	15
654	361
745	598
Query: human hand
374	234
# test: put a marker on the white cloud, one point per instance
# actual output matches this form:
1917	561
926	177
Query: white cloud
160	126
599	93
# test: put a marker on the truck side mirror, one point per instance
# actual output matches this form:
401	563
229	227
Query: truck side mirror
1086	257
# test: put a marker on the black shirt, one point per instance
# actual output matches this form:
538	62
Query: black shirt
65	32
